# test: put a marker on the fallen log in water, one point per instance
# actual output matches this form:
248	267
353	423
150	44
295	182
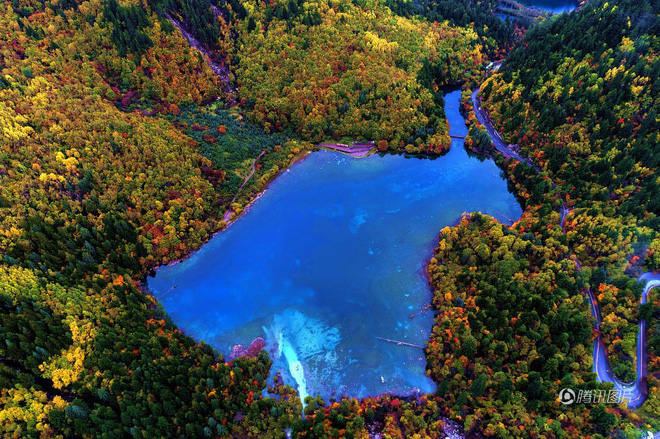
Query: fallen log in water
504	216
426	308
400	343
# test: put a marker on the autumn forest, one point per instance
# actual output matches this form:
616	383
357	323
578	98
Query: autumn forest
134	130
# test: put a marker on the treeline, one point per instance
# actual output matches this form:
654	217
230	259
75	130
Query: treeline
97	186
580	97
499	36
353	73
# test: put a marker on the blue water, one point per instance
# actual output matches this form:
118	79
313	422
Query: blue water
330	258
555	6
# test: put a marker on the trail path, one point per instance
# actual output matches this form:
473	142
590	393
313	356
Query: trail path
229	212
499	144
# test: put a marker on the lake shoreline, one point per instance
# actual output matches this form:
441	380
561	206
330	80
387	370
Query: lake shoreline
295	160
199	274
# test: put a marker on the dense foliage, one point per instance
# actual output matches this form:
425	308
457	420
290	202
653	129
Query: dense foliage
353	70
580	96
498	36
116	156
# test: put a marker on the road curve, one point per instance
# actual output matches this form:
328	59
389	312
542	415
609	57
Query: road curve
636	392
498	143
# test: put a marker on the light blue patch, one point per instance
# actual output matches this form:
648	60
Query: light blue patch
321	266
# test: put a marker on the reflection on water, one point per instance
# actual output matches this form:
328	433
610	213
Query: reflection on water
331	258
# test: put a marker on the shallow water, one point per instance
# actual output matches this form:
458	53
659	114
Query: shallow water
330	258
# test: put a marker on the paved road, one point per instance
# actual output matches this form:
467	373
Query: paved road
635	392
498	143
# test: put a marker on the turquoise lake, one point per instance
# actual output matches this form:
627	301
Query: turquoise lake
330	258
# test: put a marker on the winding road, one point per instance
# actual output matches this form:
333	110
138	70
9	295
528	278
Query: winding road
637	391
498	143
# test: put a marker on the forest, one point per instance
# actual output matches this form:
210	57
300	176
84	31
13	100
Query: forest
498	36
122	150
579	96
596	140
349	72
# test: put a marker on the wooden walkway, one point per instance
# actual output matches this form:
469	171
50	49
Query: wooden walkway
358	149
